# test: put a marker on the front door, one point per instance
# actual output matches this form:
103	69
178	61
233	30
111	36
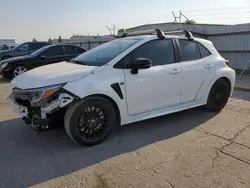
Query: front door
198	69
24	49
157	87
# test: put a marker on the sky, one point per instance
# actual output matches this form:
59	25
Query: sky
24	20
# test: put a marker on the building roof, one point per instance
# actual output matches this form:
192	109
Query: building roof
174	23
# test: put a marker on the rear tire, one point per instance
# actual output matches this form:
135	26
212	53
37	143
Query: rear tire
218	96
90	121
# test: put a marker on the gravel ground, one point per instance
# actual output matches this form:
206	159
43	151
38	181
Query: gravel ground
194	148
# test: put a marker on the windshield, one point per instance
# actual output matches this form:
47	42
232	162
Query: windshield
38	52
104	53
17	46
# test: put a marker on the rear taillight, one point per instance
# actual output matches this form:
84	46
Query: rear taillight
227	62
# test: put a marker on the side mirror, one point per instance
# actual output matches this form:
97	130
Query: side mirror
18	50
43	57
140	63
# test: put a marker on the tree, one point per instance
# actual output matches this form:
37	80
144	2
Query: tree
34	40
191	22
50	41
60	38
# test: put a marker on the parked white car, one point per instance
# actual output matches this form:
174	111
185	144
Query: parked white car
123	81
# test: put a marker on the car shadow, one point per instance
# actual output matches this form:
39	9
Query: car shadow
28	158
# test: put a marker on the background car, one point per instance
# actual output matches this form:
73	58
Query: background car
47	55
22	49
7	47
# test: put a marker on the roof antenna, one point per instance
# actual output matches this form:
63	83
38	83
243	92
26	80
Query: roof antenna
160	34
189	35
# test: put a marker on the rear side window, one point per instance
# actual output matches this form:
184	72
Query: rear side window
160	52
204	51
53	51
190	50
69	50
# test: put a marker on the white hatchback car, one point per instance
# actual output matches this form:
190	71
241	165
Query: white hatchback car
123	81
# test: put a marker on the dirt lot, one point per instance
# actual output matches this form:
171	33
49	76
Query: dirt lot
195	148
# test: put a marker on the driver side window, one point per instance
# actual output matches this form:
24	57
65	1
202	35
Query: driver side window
160	52
23	48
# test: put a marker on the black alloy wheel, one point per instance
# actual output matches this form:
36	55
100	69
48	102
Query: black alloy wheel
89	122
218	96
92	122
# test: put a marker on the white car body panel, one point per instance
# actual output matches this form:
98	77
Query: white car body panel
196	76
155	88
144	94
51	75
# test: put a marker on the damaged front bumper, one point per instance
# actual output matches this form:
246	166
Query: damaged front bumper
36	112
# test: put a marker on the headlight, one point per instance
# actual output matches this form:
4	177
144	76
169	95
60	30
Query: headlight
39	95
4	65
44	93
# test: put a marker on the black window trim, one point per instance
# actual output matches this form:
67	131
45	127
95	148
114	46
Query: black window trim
203	47
121	63
180	51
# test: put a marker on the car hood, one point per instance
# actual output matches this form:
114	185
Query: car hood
14	59
51	75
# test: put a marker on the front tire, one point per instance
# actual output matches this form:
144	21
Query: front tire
18	70
90	121
218	96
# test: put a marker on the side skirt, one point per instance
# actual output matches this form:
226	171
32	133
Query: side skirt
130	119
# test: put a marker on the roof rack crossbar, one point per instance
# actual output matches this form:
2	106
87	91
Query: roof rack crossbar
159	33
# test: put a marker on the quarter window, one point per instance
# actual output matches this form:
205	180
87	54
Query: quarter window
204	51
79	50
190	50
53	51
160	52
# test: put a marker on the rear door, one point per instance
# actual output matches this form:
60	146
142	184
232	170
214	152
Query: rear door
197	69
157	87
53	54
69	52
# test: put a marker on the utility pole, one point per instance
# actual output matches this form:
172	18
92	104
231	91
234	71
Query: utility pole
112	30
179	17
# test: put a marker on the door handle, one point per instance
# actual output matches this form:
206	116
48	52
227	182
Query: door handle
208	66
175	71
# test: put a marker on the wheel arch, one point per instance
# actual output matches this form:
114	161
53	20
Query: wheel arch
226	80
6	56
16	65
